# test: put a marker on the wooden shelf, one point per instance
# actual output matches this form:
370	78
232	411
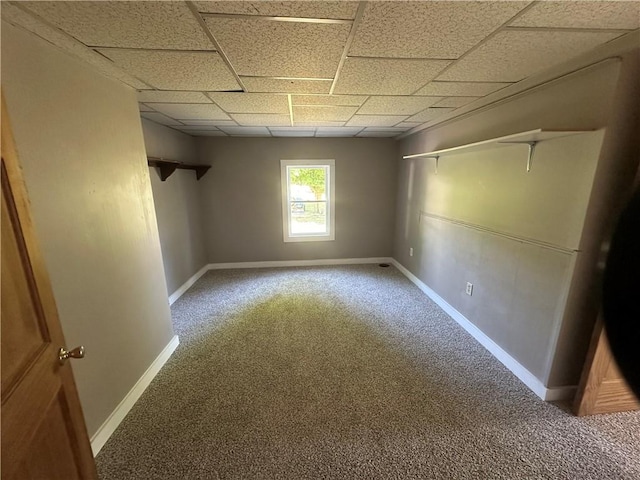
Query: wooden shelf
167	167
530	138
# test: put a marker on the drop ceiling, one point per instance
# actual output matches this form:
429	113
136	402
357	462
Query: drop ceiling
315	68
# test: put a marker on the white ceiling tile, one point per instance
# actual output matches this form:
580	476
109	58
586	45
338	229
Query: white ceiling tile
292	129
205	133
318	124
444	29
292	132
378	76
513	55
66	42
144	108
240	102
429	114
288	85
233	7
395	129
346	100
337	132
455	101
280	49
200	71
377	134
215	123
192	111
261	119
375	120
246	131
592	14
396	105
158	25
191	128
454	89
367	132
408	125
323	113
306	9
168	96
159	118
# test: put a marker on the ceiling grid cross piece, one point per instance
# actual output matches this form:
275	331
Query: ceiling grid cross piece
315	68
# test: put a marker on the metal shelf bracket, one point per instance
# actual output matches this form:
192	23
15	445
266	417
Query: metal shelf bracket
532	147
436	158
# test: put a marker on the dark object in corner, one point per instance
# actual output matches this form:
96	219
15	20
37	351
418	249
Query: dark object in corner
385	265
621	301
167	167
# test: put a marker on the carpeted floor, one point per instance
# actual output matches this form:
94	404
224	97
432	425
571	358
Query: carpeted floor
346	372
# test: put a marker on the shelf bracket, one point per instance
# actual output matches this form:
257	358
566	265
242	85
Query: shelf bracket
532	147
167	167
436	158
201	170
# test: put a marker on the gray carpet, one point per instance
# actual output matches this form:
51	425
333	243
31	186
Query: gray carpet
346	372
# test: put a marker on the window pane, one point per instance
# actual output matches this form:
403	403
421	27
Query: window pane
307	183
308	200
308	217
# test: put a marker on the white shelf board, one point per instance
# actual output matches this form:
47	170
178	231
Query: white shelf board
537	135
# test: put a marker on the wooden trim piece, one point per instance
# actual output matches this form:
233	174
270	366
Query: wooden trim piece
593	373
602	388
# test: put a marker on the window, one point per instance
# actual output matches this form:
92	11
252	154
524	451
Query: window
308	191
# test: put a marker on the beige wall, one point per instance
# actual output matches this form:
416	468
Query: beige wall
613	183
177	204
242	200
80	143
521	286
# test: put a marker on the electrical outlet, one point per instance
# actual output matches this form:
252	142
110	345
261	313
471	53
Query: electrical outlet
411	252
469	288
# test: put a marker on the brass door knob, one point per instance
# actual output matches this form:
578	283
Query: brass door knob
63	354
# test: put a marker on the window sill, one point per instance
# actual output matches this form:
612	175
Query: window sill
311	238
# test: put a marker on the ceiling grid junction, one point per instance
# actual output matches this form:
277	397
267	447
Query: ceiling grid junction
320	68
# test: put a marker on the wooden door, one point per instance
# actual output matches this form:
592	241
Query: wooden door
43	430
602	388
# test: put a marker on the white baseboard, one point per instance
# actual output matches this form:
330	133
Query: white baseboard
276	263
530	380
299	263
178	293
554	394
109	426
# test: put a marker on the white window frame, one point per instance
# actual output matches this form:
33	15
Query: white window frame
331	194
